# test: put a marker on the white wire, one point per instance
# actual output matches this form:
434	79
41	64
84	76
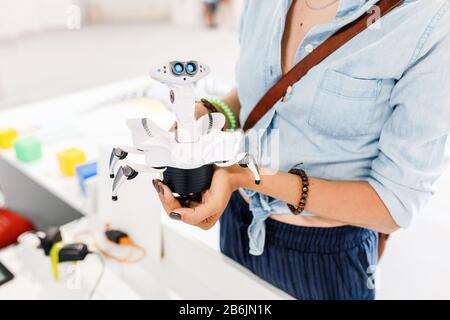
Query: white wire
100	277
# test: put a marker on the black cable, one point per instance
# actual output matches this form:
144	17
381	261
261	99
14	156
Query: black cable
100	277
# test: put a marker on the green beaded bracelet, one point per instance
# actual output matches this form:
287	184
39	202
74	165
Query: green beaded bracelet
226	110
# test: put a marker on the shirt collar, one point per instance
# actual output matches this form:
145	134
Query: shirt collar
348	7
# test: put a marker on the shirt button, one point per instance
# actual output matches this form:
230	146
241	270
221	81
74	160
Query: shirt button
309	48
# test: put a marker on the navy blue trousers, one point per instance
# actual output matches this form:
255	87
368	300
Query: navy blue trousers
307	263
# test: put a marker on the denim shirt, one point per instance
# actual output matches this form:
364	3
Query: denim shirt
376	110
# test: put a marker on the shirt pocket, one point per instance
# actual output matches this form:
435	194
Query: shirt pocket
345	106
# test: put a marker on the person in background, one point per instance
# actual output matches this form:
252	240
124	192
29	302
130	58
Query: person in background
210	12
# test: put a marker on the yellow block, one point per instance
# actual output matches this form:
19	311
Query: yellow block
69	159
7	137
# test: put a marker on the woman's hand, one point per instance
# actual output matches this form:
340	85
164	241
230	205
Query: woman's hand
214	201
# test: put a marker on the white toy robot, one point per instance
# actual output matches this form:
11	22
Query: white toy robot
186	156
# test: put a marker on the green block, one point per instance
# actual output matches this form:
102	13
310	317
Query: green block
28	149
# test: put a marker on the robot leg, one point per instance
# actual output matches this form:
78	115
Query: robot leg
129	172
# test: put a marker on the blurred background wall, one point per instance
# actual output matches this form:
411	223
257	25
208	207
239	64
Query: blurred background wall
52	47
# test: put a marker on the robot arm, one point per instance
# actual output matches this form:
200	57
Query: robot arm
211	122
143	129
130	171
245	161
124	173
117	154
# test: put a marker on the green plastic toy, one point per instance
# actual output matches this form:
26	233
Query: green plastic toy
28	149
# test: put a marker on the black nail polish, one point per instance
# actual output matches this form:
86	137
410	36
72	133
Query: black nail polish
175	216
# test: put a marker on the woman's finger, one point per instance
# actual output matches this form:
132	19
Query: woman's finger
166	197
208	223
195	215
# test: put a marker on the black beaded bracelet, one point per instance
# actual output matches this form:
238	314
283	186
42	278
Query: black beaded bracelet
305	188
209	106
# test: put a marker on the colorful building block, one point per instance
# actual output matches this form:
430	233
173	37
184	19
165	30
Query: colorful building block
69	159
85	172
28	149
7	137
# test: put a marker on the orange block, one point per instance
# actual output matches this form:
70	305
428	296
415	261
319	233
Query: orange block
70	159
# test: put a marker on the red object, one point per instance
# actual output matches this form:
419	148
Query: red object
11	227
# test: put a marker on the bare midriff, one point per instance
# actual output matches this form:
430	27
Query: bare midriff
310	222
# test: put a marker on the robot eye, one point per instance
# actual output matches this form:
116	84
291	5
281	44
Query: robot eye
178	68
191	68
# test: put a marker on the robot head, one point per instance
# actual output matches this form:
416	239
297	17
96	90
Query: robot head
179	72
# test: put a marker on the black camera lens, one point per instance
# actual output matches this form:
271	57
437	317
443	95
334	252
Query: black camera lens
178	68
191	68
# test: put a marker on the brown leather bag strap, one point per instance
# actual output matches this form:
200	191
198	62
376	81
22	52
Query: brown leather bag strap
323	51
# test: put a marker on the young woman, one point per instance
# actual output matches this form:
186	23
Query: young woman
370	126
